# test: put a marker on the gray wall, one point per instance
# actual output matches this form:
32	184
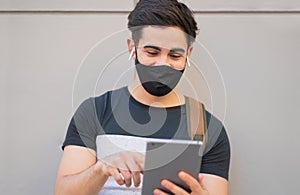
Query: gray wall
255	44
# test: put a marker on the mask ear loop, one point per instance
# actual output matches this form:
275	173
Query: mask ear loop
131	54
188	61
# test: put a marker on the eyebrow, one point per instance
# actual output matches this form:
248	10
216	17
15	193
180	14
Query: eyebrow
159	49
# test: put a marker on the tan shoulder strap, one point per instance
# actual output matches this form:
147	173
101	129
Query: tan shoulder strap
196	120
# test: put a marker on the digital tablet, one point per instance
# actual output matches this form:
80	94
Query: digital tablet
164	160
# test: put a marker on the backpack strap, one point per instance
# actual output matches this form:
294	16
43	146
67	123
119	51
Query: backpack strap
196	120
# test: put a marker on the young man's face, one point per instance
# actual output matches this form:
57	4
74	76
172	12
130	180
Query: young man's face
162	46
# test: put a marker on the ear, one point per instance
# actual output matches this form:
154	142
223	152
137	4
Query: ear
130	45
189	52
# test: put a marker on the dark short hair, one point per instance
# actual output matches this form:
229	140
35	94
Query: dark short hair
162	13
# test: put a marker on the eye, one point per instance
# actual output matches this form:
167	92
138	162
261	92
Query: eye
152	52
175	55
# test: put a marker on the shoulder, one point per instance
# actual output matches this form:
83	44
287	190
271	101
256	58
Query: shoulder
90	110
105	100
95	106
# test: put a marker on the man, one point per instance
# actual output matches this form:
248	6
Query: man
163	32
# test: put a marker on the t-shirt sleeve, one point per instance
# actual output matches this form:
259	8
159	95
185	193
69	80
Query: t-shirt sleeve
216	158
216	161
83	127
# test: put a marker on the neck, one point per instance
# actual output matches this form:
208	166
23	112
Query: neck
174	98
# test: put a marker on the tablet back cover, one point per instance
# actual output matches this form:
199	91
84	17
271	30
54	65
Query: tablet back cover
165	160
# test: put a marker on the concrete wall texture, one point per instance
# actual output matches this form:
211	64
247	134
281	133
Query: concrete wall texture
255	44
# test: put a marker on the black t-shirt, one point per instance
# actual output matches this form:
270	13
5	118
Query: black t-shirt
117	112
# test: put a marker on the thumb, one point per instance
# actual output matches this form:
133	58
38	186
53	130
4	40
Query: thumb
200	179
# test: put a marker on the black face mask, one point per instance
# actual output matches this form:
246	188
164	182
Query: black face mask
158	80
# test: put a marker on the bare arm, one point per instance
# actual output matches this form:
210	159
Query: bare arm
78	172
215	185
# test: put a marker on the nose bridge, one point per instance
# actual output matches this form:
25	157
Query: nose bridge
163	59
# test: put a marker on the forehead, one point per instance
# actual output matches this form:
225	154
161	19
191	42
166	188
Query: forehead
163	37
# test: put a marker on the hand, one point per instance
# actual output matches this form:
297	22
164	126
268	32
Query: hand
124	166
196	187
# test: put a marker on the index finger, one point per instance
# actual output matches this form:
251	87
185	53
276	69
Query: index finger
140	160
190	181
